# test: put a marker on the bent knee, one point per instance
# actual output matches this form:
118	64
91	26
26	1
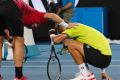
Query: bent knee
70	46
75	45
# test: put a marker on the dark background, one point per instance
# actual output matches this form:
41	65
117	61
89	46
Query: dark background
113	7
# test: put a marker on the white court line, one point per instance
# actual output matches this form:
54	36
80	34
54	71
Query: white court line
41	66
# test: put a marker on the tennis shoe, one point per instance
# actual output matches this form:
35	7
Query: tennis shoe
81	77
23	78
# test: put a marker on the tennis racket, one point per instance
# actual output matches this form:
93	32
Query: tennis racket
53	65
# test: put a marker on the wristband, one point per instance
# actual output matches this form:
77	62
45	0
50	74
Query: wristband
64	24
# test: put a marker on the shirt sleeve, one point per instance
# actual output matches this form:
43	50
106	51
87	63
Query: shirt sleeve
34	17
30	15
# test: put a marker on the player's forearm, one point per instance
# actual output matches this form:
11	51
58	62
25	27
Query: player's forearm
53	16
59	38
56	18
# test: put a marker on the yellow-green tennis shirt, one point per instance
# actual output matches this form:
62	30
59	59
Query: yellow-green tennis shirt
90	36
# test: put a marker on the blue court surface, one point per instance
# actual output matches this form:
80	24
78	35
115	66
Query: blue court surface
36	67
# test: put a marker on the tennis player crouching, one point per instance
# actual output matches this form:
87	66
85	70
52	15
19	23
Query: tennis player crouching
86	46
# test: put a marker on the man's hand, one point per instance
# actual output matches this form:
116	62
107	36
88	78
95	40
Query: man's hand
52	31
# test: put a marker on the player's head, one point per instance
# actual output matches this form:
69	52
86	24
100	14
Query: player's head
62	28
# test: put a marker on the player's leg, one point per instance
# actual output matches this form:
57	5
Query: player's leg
13	20
97	59
1	45
18	56
104	74
77	51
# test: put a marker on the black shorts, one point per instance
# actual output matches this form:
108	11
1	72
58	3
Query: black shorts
10	18
95	58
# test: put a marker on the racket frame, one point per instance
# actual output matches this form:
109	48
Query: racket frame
53	55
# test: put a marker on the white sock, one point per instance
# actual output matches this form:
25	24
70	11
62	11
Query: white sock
83	69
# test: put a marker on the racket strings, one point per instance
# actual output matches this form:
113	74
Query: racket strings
54	69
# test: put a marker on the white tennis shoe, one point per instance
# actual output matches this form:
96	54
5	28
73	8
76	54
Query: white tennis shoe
81	77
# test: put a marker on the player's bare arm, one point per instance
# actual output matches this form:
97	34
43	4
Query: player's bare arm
57	38
54	17
60	38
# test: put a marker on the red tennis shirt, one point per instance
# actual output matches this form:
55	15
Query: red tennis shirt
30	15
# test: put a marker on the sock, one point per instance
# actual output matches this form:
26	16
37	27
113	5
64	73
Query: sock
84	70
18	72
